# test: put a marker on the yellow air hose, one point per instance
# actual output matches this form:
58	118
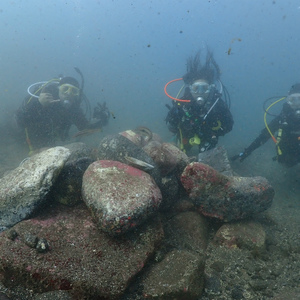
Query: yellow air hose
276	141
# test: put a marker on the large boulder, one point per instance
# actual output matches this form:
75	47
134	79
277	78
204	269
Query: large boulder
119	196
24	189
223	197
81	259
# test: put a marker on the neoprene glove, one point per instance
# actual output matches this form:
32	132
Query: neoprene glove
241	156
102	113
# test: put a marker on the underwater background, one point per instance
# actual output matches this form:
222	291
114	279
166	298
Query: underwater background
129	50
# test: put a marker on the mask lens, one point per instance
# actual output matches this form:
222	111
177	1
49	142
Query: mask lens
294	101
199	87
69	89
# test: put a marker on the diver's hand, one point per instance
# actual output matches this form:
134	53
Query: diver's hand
46	99
101	111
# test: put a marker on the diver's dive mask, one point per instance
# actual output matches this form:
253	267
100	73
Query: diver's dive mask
293	101
69	89
199	87
200	91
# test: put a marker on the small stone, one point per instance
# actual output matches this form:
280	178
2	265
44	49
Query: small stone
213	285
218	266
11	234
42	245
237	293
61	295
30	240
258	285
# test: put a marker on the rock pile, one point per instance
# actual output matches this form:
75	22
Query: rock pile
140	225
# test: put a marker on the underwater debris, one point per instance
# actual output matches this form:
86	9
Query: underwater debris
230	47
86	132
134	162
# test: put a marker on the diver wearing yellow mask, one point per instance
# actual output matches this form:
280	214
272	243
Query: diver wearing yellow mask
52	107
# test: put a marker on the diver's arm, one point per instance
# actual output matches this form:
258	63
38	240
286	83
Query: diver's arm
261	139
101	115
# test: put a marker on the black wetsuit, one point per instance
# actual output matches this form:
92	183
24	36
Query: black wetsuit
286	127
187	119
44	125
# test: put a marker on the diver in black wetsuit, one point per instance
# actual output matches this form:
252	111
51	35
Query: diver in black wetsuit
201	115
46	115
286	130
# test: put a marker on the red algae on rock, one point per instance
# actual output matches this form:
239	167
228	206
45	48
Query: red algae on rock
81	259
226	197
119	196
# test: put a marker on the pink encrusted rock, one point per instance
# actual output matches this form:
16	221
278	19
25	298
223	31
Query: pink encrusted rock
82	259
120	197
223	197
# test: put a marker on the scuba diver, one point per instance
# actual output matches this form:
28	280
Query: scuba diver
287	128
47	114
201	115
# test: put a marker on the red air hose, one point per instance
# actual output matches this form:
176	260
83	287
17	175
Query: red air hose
176	99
